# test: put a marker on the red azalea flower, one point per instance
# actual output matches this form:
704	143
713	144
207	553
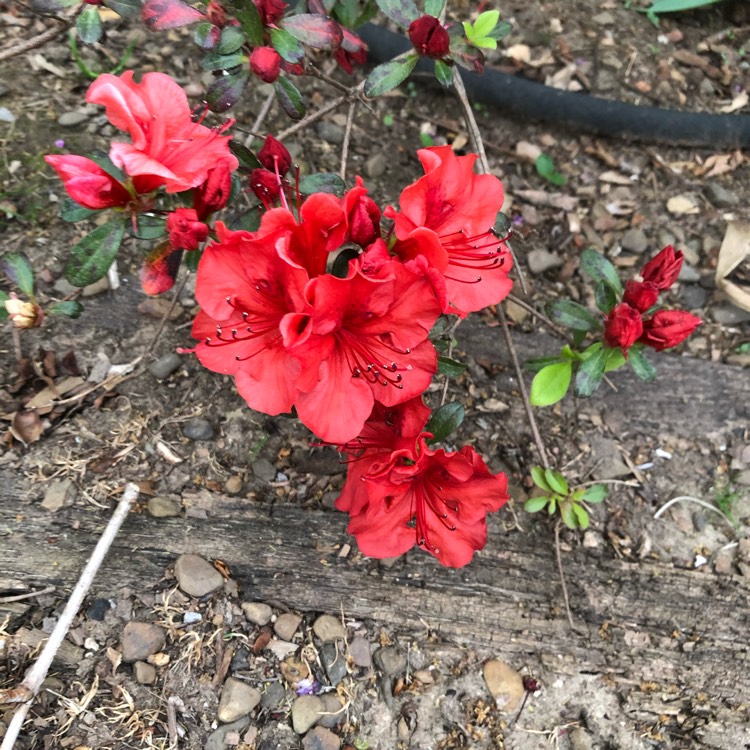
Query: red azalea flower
274	156
622	327
352	50
88	184
168	148
640	294
429	37
447	216
213	194
437	499
266	186
186	232
270	11
662	271
265	62
668	328
363	215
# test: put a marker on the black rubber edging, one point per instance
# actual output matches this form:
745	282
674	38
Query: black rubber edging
517	97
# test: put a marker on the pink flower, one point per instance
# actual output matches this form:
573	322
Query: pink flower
88	184
640	294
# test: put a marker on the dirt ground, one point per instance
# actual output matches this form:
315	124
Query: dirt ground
204	462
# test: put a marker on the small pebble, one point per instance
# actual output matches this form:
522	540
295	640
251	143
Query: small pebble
334	715
286	625
273	695
306	710
390	660
729	315
689	274
237	699
505	685
334	663
163	507
328	628
98	608
321	738
165	366
198	429
720	196
635	241
6	115
257	612
197	577
264	470
59	494
694	296
541	260
217	739
190	618
376	165
144	673
71	119
330	132
233	485
360	651
140	640
699	520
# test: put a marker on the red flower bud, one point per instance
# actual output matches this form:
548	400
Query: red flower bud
265	185
265	62
87	183
274	156
216	14
213	194
364	221
623	326
429	37
668	328
640	294
185	231
663	270
270	10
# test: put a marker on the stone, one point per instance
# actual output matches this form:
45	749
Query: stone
699	520
334	662
165	366
98	287
6	115
263	469
71	119
273	695
608	459
286	625
163	507
390	660
59	494
605	18
328	628
198	429
580	739
635	241
144	673
376	165
321	738
719	196
541	260
729	315
217	739
237	699
233	485
197	577
141	640
505	685
98	609
306	710
330	132
694	296
258	613
689	274
334	713
360	651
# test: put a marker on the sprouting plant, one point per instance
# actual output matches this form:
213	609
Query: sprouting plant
545	167
725	497
560	498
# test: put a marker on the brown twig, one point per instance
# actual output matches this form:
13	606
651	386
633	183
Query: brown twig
347	138
444	394
561	332
28	595
260	119
40	39
558	554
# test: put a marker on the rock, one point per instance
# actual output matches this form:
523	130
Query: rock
723	563
334	713
306	710
321	738
376	165
233	485
390	660
541	260
330	132
273	695
71	119
163	507
264	469
719	196
286	625
140	640
198	429
607	457
334	662
580	739
98	609
216	740
328	628
237	699
505	685
197	577
6	115
515	312
165	366
359	650
59	494
635	241
603	19
694	296
257	612
729	315
98	287
689	274
144	673
699	520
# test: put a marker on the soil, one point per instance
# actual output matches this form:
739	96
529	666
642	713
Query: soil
656	657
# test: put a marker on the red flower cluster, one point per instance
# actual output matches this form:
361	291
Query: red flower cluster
626	325
429	37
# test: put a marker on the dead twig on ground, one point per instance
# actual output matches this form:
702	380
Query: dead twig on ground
347	138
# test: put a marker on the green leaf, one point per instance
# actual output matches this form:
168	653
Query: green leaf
568	515
572	315
450	367
289	98
3	312
315	30
103	160
247	159
594	494
545	167
537	364
89	25
501	31
287	46
250	22
225	92
93	255
590	373
444	73
434	7
487	42
535	504
215	61
600	269
125	8
206	35
581	516
605	296
556	481
486	22
615	360
641	366
675	6
147	227
444	421
322	182
388	75
537	475
72	211
551	383
231	40
68	308
403	12
552	505
18	269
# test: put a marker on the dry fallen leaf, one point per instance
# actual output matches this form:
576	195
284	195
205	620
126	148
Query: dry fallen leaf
717	164
739	102
529	151
682	205
615	178
519	52
26	426
734	249
543	198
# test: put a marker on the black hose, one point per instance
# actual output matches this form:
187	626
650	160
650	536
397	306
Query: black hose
518	97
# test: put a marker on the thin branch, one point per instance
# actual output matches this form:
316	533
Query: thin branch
690	499
444	394
471	121
558	554
347	138
264	110
166	316
32	682
561	332
40	39
28	595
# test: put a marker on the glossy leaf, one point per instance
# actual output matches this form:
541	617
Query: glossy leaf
434	7
19	271
231	40
572	315
615	360
290	98
68	308
403	12
450	367
89	25
206	35
590	373
51	6
641	366
226	91
319	32
581	516
125	8
247	159
675	6
445	420
147	227
500	31
537	475
600	269
287	46
214	61
444	73
535	504
389	74
250	21
322	182
486	22
551	384
556	481
72	211
102	159
545	167
605	296
159	15
93	255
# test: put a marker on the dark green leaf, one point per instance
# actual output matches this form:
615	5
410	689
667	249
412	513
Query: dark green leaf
230	41
556	481
3	312
537	475
537	364
500	31
72	211
641	366
192	258
545	166
444	73
503	226
535	504
450	367
89	25
287	46
147	227
93	255
214	61
289	98
247	159
340	268
595	494
572	315
675	6
581	516
590	373
434	7
103	160
19	271
51	6
600	269
551	383
403	12
225	92
605	296
390	74
69	308
444	421
615	360
248	221
250	22
441	326
322	182
206	35
125	8
317	31
568	515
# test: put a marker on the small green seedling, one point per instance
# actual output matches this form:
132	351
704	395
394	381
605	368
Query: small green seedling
485	32
545	167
